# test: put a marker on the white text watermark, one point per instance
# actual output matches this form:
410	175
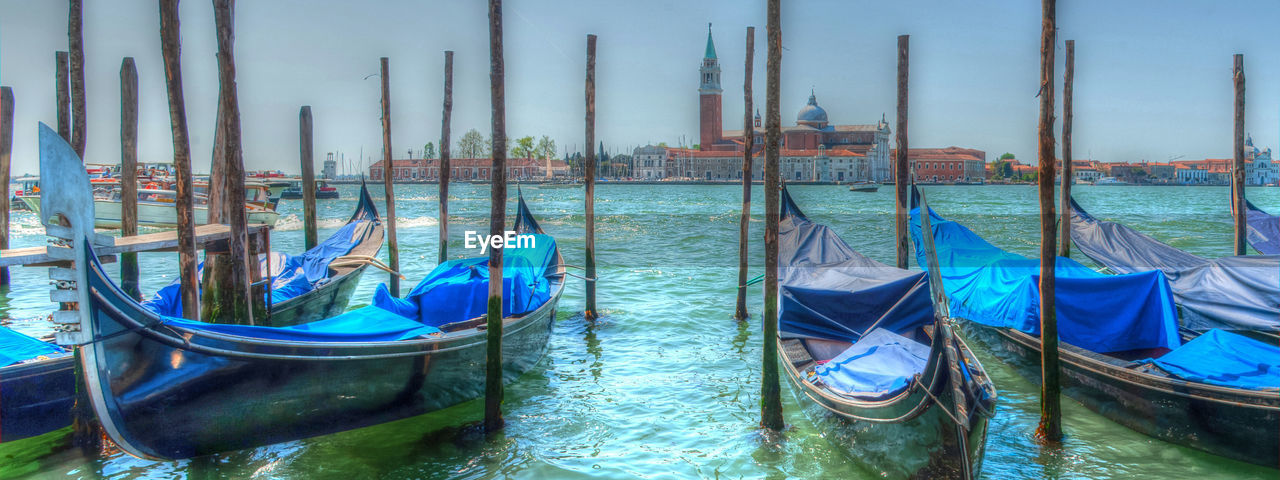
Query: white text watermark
508	239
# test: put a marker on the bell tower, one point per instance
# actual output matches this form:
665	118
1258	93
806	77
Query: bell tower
709	124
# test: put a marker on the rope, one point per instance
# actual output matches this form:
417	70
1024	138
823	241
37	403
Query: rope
759	278
935	400
346	260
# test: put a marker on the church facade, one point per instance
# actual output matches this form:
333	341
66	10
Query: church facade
821	151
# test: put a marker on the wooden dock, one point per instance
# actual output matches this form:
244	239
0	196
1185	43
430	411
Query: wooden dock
207	236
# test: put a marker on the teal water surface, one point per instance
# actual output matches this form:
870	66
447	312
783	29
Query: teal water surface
666	384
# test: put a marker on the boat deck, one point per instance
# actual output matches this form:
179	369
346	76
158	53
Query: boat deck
107	247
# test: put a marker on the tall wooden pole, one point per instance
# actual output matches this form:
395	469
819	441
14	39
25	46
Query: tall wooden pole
129	173
770	386
75	41
169	46
1237	149
445	120
61	72
305	151
1050	429
1064	223
6	150
388	173
590	168
227	297
748	141
902	166
497	221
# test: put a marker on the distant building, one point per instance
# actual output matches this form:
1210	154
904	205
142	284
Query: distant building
947	165
810	133
467	169
330	170
649	162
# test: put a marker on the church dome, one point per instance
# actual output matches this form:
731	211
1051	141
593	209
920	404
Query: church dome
812	115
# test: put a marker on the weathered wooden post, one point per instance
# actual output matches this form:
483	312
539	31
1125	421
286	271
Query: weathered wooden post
901	164
748	142
446	118
388	173
1064	250
1237	164
497	222
75	41
590	312
770	388
305	147
61	70
6	150
129	173
227	296
1050	428
169	46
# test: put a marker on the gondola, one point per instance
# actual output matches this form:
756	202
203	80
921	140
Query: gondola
168	388
314	284
1122	353
876	370
1238	293
37	386
1263	229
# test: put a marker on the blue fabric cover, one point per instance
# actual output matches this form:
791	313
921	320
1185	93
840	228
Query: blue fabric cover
16	347
292	275
458	290
878	365
368	324
1263	230
1100	313
828	290
1240	292
1222	358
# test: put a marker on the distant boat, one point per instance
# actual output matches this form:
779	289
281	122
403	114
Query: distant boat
156	207
1109	181
864	187
323	190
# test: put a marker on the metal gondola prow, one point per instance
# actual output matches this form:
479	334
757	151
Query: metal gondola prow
941	308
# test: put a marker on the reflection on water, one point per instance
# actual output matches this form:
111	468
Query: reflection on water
666	384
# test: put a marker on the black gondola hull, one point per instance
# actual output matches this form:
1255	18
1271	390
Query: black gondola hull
36	397
1239	424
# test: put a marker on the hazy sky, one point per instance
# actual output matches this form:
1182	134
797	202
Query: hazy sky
1153	78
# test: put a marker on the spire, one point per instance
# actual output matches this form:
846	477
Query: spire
813	99
711	46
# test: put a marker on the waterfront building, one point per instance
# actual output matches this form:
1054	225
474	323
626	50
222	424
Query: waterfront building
947	165
330	170
467	169
811	133
649	162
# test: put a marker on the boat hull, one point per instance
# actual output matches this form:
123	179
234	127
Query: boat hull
170	393
328	300
1232	423
155	214
36	397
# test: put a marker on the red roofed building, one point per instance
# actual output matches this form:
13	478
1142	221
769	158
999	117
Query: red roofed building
466	169
947	165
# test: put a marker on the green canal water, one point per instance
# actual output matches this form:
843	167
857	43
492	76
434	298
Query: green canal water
666	384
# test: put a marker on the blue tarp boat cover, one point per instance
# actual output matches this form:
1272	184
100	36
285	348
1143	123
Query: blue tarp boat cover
1100	313
16	347
878	365
291	275
1263	230
1235	293
458	290
1221	358
368	324
827	290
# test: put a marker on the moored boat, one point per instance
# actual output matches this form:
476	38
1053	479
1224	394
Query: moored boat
1122	353
874	368
156	208
37	386
1263	229
864	187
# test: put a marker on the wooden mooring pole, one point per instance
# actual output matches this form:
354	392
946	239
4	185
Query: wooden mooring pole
62	88
6	151
129	173
1064	223
590	311
388	174
1237	151
305	150
75	42
770	386
901	164
445	120
1050	428
497	222
169	46
748	141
